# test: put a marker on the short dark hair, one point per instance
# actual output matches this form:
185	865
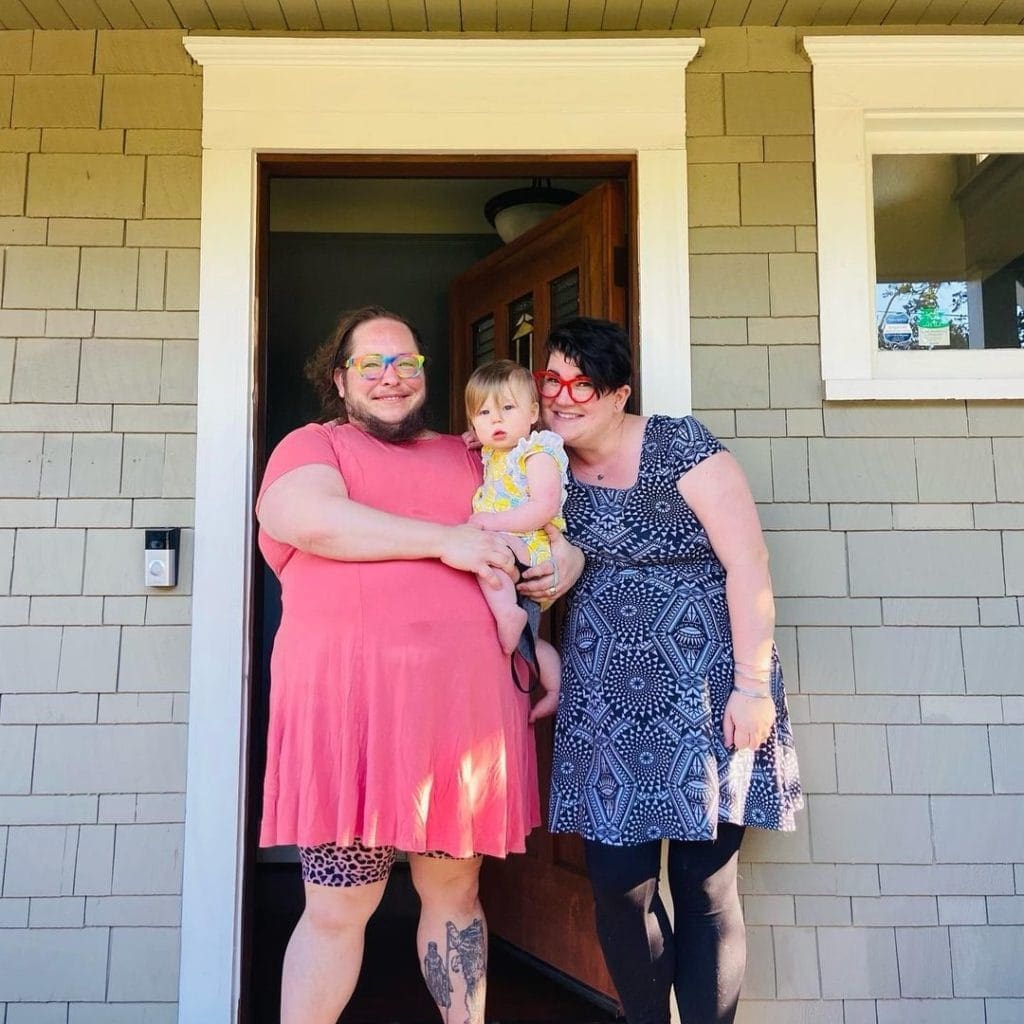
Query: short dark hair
333	352
599	348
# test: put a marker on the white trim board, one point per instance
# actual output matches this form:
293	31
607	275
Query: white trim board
901	94
348	96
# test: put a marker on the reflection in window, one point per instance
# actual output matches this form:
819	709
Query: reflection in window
949	250
565	297
520	331
483	341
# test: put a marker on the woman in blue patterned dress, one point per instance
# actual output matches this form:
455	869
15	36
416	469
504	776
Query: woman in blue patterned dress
672	722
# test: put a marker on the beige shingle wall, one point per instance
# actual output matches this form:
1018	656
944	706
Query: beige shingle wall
99	207
898	559
897	532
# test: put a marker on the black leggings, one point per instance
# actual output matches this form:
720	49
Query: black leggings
704	955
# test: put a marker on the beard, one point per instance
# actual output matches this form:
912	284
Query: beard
402	432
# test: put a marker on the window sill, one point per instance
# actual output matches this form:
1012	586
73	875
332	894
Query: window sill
879	389
957	374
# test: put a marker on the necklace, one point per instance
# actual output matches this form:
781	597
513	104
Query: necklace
616	451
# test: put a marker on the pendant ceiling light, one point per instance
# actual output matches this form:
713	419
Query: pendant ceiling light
513	213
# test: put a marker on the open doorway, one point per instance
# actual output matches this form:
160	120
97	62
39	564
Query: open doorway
430	99
334	236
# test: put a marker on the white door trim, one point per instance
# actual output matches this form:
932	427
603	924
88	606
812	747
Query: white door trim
345	95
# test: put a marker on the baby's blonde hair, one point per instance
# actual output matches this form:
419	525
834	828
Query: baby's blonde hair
497	377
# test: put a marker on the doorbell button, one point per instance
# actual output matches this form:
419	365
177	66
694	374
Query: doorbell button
158	569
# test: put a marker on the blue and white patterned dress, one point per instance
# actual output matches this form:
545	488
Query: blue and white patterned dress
647	668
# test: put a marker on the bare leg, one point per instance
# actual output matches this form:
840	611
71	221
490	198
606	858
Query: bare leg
452	936
508	616
550	666
325	952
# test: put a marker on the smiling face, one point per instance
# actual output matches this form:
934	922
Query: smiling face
390	408
581	425
505	418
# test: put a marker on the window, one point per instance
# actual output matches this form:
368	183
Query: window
920	182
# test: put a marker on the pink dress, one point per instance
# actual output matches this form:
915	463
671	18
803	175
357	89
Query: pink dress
393	716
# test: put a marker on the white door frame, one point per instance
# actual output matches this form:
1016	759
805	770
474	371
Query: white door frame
453	97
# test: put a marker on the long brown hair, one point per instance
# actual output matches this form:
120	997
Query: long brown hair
333	352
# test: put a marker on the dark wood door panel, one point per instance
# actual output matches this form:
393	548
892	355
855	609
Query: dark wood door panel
571	263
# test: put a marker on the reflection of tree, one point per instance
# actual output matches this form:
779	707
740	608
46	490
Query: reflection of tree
911	297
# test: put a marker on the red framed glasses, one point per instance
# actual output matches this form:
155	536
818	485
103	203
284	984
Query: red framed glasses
580	389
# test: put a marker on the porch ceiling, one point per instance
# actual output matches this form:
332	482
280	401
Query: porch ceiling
379	16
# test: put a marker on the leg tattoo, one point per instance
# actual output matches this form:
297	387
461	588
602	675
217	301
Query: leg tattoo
467	954
435	970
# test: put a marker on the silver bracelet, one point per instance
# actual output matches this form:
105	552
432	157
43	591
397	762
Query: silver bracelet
751	693
753	673
737	676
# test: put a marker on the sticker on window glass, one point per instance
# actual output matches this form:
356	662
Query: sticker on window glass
933	327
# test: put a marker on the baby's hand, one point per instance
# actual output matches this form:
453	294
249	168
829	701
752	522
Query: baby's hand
470	440
481	520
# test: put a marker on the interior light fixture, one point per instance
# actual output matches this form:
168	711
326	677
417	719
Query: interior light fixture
513	213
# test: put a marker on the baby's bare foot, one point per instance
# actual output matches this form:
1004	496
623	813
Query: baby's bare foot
547	705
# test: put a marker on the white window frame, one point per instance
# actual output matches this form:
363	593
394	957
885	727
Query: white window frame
343	95
901	94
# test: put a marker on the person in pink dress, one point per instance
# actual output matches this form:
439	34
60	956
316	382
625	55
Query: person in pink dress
394	722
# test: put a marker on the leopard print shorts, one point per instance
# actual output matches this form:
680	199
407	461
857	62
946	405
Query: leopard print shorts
349	866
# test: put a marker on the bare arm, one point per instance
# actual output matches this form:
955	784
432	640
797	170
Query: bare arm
717	492
309	508
545	484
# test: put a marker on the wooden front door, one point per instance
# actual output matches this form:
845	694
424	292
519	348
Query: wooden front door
502	308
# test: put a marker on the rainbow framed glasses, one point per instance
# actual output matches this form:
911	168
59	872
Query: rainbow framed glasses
580	389
373	365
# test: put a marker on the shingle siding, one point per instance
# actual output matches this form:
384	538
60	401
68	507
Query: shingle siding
896	532
897	548
99	283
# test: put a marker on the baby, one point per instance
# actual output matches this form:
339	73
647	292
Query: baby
523	489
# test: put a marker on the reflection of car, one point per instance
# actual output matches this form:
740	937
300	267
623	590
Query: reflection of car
896	330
